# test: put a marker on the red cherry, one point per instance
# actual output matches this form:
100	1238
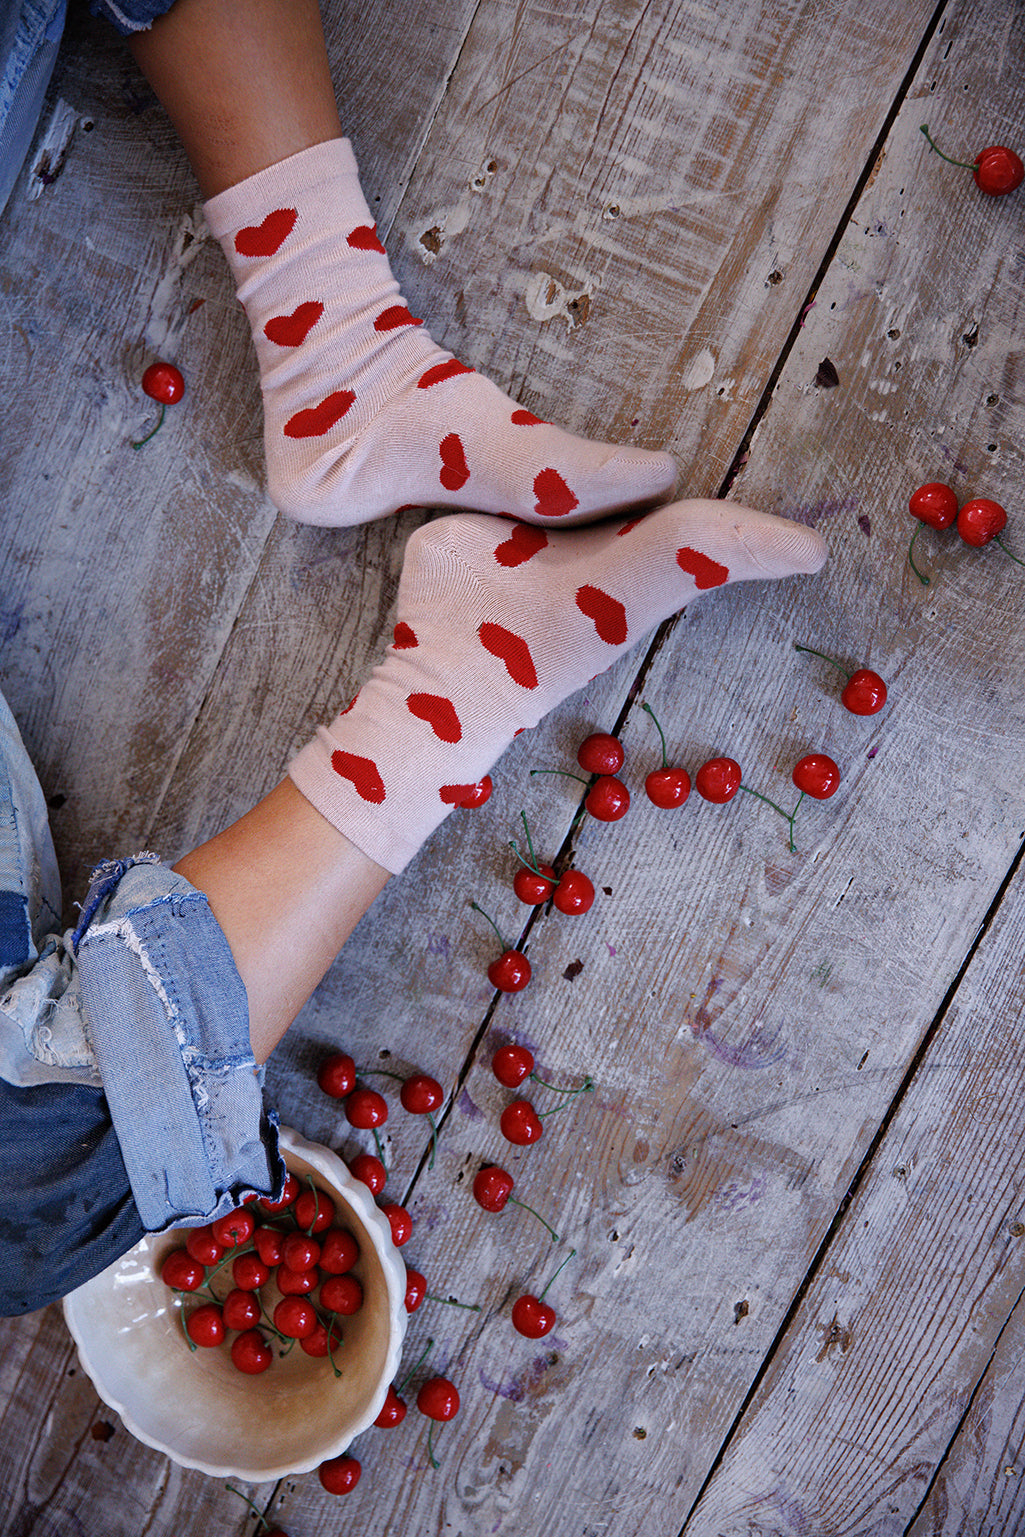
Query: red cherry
510	973
323	1340
203	1246
718	780
520	1123
250	1353
295	1317
181	1271
492	1187
365	1109
269	1242
416	1289
531	888
342	1294
249	1272
574	893
164	383
438	1399
998	170
532	1317
300	1252
865	694
511	1064
600	753
817	775
234	1229
296	1283
288	1195
608	799
400	1222
980	520
934	504
241	1309
206	1325
480	792
314	1211
336	1075
339	1251
393	1410
421	1094
667	787
339	1475
370	1171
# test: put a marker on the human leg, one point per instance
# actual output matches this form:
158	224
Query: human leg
363	413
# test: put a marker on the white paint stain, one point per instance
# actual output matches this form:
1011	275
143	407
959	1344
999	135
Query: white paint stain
165	319
48	160
700	371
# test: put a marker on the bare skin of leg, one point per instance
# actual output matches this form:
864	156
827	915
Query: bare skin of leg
287	890
245	85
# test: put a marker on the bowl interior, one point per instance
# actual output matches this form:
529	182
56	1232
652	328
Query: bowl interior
194	1405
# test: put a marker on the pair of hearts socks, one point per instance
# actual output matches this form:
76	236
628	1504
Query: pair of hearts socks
497	623
363	413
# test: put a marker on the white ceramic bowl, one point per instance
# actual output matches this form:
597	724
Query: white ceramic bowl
194	1406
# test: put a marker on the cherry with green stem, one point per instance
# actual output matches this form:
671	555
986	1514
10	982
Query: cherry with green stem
997	169
492	1190
865	692
668	786
980	522
511	1064
934	504
163	383
814	775
510	973
533	883
608	798
532	1316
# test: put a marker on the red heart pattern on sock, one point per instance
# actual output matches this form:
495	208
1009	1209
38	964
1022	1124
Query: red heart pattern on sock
362	773
442	371
364	238
292	330
405	637
628	526
511	649
266	238
439	713
394	316
554	499
314	422
526	419
455	471
608	614
524	541
705	571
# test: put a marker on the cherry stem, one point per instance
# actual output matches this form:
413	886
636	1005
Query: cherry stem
585	1087
662	735
330	1326
514	1202
533	868
997	540
430	1447
155	430
974	166
416	1365
471	1307
185	1330
434	1141
316	1203
787	816
564	772
562	1267
530	846
825	658
260	1517
478	909
377	1144
911	559
553	1111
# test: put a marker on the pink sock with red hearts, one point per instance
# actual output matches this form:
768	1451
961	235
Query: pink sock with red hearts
497	624
363	413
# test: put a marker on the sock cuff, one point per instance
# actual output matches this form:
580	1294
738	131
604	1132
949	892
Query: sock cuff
377	837
296	177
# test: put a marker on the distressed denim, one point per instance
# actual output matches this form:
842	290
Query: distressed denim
128	1090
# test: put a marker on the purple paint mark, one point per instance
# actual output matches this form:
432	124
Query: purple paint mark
469	1109
511	1390
811	514
611	948
865	524
516	1389
11	619
437	944
871	752
756	1051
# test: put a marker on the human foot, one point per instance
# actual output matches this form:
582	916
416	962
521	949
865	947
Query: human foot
363	413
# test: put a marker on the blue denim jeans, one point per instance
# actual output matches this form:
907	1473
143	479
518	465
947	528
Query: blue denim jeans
128	1090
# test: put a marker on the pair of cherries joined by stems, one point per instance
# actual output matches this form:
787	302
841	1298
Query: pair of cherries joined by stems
979	522
534	883
492	1190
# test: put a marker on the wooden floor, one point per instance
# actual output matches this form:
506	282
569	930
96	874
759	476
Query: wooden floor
798	1191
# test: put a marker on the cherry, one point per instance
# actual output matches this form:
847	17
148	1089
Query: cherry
816	775
314	1211
366	1109
300	1252
206	1325
370	1171
339	1474
339	1251
600	753
393	1410
291	1190
203	1246
718	780
492	1189
511	1064
416	1289
234	1229
181	1271
478	794
250	1353
296	1283
608	799
342	1294
438	1399
532	1317
269	1244
534	886
510	973
421	1094
865	693
163	383
574	893
997	169
520	1123
400	1222
934	504
980	520
323	1340
249	1272
295	1317
336	1075
665	787
241	1309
